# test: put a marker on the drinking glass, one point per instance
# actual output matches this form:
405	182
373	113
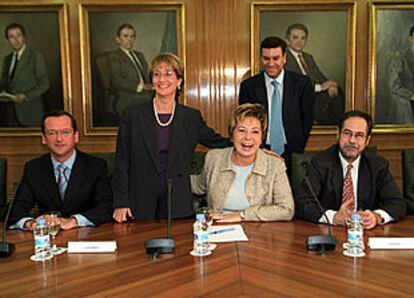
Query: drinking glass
53	221
208	215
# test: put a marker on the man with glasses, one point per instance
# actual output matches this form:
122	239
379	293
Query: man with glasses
347	179
65	180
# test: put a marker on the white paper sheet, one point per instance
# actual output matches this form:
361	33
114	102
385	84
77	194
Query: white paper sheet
92	246
391	242
227	233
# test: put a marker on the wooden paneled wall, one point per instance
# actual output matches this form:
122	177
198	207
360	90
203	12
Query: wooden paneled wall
217	34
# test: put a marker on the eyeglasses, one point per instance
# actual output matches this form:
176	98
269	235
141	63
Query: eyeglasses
359	136
169	74
54	133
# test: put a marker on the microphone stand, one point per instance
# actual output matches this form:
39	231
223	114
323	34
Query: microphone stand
6	249
158	246
319	243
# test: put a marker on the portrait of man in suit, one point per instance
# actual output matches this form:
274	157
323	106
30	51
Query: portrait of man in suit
394	72
401	82
330	100
129	71
24	81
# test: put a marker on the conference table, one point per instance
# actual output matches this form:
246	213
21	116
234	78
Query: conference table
274	262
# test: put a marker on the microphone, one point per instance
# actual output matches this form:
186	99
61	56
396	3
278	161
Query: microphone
319	243
163	245
6	249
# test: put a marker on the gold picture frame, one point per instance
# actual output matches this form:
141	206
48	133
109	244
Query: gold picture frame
390	80
159	27
274	17
41	22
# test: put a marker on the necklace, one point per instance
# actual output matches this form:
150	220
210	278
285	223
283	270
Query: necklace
158	119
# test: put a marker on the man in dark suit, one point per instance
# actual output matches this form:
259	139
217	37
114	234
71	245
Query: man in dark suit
330	99
296	94
65	180
346	179
25	77
129	71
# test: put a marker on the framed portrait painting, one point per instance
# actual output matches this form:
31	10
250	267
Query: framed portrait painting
35	74
323	35
391	84
118	42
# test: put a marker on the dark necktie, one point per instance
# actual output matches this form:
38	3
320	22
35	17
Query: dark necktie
348	190
304	66
137	64
62	179
13	71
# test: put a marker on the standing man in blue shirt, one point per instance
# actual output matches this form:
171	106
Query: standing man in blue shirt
65	180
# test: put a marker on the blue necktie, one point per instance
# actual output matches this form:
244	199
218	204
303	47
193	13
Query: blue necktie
62	180
277	142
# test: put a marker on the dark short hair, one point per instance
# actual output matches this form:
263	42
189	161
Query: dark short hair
360	114
59	113
412	31
272	42
256	111
124	26
14	26
296	26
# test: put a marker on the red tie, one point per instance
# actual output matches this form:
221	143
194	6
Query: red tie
348	191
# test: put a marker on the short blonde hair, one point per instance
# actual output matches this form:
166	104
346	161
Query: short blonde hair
170	59
256	111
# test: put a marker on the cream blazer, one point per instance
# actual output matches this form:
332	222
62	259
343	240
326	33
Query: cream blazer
267	187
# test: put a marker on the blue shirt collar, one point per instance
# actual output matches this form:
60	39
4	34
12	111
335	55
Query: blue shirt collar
68	163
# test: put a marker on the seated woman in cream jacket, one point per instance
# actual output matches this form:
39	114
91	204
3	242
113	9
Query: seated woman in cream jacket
243	182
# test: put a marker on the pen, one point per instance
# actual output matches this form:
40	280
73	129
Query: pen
222	231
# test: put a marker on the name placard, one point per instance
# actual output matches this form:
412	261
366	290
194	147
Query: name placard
92	246
391	242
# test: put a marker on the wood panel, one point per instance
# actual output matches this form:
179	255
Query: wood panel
217	59
274	262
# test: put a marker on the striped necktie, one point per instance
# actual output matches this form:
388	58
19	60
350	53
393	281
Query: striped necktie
62	180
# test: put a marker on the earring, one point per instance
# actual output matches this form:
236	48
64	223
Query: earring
179	87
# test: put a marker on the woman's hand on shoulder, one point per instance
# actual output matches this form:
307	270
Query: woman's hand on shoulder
270	152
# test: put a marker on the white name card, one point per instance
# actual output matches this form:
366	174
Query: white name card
391	242
92	246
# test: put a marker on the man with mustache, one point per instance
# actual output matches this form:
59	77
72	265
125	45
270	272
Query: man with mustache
347	179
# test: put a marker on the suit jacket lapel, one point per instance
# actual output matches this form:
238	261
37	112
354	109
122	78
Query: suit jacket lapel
176	130
262	91
49	180
337	179
287	93
148	128
76	179
22	62
364	184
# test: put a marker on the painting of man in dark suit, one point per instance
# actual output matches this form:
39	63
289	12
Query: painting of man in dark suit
401	82
330	101
393	78
24	81
127	72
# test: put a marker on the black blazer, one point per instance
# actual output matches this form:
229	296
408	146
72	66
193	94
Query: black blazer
298	105
88	192
136	175
376	186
